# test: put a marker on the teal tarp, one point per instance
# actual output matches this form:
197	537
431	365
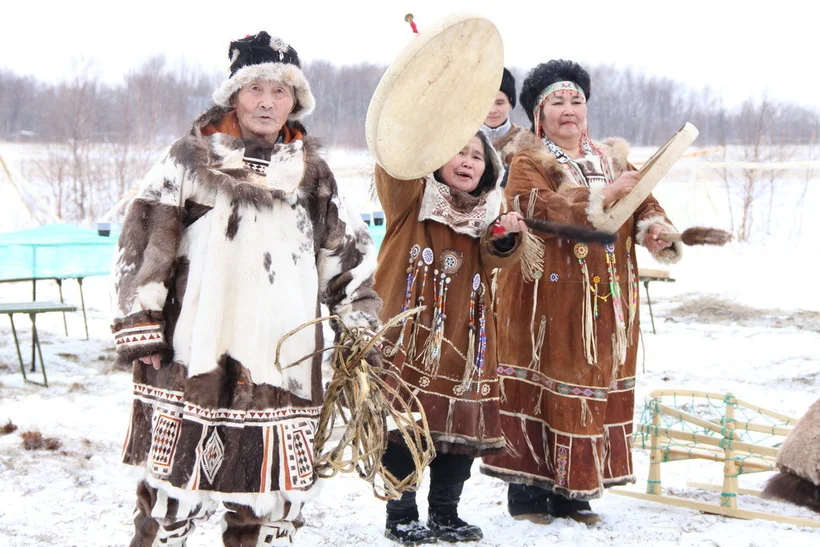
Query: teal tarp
67	251
55	251
377	233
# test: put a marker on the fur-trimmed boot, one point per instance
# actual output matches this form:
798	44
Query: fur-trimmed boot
443	518
529	502
403	524
577	510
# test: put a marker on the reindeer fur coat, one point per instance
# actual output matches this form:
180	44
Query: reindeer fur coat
230	245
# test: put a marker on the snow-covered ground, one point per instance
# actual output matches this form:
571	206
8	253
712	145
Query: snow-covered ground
744	318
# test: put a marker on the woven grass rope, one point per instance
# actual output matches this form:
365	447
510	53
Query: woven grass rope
362	401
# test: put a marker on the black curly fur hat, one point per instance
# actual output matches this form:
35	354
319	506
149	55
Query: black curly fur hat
545	74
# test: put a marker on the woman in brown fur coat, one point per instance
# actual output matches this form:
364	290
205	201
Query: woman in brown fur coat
437	253
567	359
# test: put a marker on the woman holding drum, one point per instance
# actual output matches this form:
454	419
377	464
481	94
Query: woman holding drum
567	357
439	185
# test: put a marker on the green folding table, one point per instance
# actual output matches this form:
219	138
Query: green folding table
56	252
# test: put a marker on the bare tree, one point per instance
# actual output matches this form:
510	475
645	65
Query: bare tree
342	97
103	137
18	95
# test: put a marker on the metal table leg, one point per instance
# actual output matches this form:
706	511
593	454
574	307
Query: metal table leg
36	339
17	346
33	319
82	301
649	302
60	286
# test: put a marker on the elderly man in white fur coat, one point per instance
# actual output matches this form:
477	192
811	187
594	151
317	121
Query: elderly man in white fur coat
236	238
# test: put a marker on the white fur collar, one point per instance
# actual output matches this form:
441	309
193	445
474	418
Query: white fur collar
437	205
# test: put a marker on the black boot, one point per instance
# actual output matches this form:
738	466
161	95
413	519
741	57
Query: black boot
403	524
529	502
577	510
443	515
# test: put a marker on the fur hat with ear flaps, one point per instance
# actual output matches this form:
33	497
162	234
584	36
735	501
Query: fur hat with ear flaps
261	57
546	74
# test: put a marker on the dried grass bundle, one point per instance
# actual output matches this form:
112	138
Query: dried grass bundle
8	427
360	400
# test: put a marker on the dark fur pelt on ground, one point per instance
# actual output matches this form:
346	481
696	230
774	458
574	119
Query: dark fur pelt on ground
798	461
793	489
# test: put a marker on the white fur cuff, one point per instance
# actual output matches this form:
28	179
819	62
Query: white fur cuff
595	207
285	73
669	255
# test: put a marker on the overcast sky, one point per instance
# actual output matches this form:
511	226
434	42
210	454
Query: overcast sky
739	47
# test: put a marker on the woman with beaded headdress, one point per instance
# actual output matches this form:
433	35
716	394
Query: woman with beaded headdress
567	357
444	237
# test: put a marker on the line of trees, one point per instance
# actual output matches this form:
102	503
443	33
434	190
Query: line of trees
101	138
156	103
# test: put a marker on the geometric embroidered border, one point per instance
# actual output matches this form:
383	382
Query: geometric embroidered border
562	388
175	536
470	223
138	335
221	416
296	454
561	465
213	454
624	384
229	416
594	393
164	436
278	534
257	165
150	394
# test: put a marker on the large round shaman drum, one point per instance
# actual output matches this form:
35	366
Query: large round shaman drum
435	96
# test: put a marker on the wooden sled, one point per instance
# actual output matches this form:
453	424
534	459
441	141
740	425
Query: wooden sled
716	427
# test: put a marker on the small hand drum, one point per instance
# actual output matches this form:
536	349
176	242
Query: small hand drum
435	96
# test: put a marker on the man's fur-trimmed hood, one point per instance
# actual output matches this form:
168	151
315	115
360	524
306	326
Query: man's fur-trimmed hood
216	161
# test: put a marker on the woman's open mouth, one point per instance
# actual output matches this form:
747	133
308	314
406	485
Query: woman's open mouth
462	174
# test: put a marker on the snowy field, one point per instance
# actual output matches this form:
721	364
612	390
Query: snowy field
743	319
